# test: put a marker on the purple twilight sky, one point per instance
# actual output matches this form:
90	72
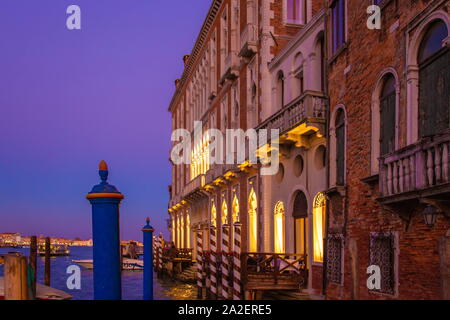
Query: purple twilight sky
69	99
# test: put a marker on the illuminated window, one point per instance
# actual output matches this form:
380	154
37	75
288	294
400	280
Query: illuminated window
224	212
213	215
279	228
252	222
235	209
318	226
188	231
181	231
200	157
178	233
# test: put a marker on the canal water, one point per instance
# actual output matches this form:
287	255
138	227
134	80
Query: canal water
131	280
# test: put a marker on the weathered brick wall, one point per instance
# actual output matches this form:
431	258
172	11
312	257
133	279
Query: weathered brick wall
352	79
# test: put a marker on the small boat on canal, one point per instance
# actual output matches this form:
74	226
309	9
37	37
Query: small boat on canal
127	264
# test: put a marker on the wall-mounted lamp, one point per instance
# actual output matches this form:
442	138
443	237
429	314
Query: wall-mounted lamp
430	215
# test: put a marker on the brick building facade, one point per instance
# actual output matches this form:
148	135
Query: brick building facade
392	171
361	160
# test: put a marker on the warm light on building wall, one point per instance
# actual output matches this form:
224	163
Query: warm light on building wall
278	228
252	222
318	226
200	157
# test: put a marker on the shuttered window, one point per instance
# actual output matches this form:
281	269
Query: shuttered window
434	81
387	108
340	147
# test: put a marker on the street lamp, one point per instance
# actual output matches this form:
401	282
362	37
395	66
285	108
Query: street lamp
430	215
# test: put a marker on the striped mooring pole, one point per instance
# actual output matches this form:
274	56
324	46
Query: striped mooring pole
226	261
147	231
199	264
154	251
160	253
213	261
105	200
237	283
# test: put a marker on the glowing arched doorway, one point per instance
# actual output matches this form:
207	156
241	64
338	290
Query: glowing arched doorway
252	222
319	226
278	228
300	215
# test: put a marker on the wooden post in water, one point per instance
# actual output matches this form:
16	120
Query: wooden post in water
33	265
16	285
47	262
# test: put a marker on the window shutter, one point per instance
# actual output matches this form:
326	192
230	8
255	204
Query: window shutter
434	95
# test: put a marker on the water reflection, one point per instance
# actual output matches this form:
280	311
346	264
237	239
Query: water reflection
164	289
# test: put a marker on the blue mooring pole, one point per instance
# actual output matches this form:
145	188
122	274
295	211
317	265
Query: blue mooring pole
147	231
105	200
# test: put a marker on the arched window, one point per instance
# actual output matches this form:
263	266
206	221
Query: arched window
388	115
280	90
278	228
300	215
319	226
188	230
235	209
234	217
340	147
252	222
182	231
213	215
178	243
174	229
224	212
434	80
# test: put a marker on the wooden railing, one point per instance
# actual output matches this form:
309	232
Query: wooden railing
311	104
275	267
422	165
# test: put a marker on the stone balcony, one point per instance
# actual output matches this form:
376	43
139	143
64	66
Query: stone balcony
301	118
418	172
249	41
231	67
218	171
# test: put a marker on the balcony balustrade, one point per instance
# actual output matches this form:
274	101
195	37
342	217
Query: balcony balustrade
231	67
302	117
249	41
422	167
